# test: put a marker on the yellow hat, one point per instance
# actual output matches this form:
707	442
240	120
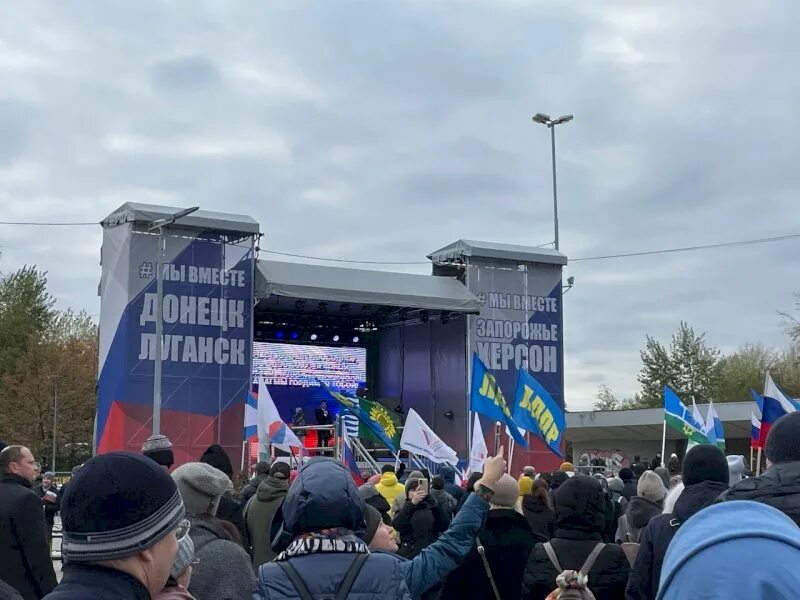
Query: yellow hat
525	485
566	467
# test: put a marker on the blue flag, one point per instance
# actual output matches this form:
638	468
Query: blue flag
366	418
487	398
536	411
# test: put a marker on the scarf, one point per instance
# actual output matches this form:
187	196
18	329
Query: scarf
336	539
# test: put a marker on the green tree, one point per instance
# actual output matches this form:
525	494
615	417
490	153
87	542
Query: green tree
608	400
744	369
690	366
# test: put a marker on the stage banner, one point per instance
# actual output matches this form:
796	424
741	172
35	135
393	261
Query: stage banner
520	326
207	342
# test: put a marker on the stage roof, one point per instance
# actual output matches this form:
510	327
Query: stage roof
470	248
647	423
202	219
360	286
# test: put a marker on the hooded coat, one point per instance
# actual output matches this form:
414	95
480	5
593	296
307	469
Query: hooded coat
259	513
389	487
655	539
778	487
640	511
721	542
507	541
580	508
541	517
448	473
324	496
225	569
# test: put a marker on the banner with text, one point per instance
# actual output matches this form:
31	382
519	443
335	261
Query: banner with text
519	327
207	339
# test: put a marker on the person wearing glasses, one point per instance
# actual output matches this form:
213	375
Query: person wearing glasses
180	576
123	519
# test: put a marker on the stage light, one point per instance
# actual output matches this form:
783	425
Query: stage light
336	338
355	340
279	335
322	308
294	335
450	415
313	337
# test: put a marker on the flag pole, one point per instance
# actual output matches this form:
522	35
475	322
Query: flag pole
664	439
758	462
510	453
751	458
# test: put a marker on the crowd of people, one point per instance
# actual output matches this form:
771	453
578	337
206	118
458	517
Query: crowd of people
135	527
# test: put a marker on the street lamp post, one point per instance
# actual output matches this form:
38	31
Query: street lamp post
551	124
55	422
162	251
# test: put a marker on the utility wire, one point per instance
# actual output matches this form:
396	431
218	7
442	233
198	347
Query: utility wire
45	224
780	238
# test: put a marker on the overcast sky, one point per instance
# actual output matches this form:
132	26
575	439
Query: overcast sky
385	130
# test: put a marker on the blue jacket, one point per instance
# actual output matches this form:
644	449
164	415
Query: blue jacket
431	565
324	496
737	549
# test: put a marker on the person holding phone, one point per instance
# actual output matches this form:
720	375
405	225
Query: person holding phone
421	520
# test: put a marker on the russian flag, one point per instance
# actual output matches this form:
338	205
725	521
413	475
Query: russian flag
775	405
755	421
349	460
251	416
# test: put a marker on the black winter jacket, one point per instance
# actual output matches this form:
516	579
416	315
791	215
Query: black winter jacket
778	486
90	582
580	520
506	538
655	539
629	491
419	525
25	562
541	518
640	512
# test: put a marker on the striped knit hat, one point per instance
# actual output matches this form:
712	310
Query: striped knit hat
116	506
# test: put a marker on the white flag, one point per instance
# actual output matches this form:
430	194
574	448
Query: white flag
420	439
271	428
479	452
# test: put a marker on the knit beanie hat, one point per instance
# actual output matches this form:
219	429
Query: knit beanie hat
663	472
529	471
218	458
625	474
705	463
559	478
116	506
566	467
506	492
735	469
525	485
783	439
373	519
159	448
280	470
184	556
201	486
48	475
615	484
651	487
639	469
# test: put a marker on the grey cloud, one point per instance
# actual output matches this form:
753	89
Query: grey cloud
189	74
